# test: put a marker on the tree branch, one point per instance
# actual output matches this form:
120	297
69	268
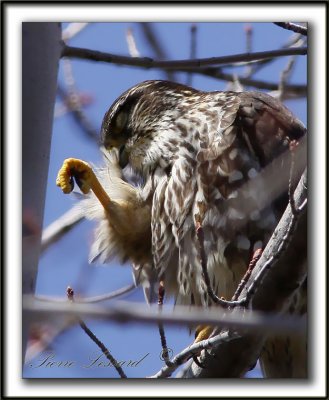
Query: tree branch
94	338
146	62
60	227
93	299
272	294
156	45
297	90
74	103
73	29
124	311
292	27
216	73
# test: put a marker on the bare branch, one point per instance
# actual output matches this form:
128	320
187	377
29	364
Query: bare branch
133	51
192	350
203	260
73	29
193	31
285	74
153	40
74	103
248	29
94	299
295	90
292	27
244	348
146	62
165	353
296	40
246	276
287	271
60	227
122	311
155	43
94	338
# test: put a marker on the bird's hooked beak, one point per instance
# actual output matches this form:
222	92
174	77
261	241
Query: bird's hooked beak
123	157
111	143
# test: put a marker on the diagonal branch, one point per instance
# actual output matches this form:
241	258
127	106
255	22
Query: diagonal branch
277	281
57	229
94	338
292	27
156	45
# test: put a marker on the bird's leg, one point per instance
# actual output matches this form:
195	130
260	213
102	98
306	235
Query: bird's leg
129	218
202	332
84	176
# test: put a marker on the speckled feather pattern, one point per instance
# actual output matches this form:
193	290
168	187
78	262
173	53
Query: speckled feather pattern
194	152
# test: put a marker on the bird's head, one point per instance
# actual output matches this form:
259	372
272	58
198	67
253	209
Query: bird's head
140	123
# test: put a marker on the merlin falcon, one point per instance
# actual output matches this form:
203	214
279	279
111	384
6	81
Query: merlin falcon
194	153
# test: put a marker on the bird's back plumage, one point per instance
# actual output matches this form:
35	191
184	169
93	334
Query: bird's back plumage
201	158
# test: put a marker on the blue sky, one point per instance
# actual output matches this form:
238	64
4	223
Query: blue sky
66	263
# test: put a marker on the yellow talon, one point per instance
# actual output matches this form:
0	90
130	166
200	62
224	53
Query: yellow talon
80	171
77	169
203	332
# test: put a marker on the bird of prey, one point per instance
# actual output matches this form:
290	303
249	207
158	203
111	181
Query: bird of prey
197	155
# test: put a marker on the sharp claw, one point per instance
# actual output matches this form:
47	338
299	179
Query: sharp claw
73	170
71	182
198	363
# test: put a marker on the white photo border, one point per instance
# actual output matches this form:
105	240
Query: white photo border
315	15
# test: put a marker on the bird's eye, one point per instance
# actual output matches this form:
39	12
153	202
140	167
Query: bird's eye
120	121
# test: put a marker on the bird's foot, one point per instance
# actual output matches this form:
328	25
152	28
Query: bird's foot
81	172
202	332
74	169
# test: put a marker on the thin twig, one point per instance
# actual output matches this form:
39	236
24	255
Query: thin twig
248	29
57	229
192	351
285	74
73	29
73	101
165	352
284	243
203	258
246	276
292	146
133	51
277	281
292	27
146	62
94	299
296	40
295	90
156	45
153	40
94	338
235	85
123	312
193	31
